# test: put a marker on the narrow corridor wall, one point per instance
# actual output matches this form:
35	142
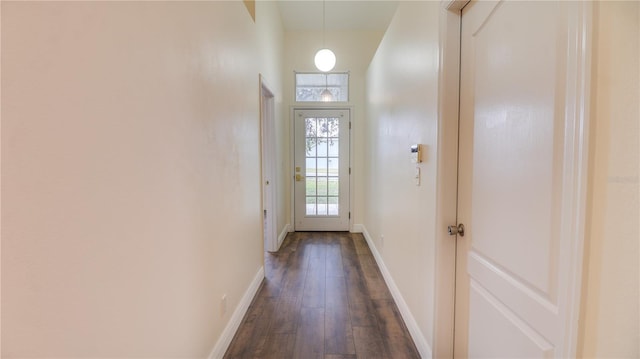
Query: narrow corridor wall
271	47
402	110
610	317
130	176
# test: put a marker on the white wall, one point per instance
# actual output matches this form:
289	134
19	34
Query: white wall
402	109
354	50
131	180
401	105
611	302
271	44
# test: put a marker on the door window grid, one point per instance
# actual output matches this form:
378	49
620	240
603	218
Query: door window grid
322	166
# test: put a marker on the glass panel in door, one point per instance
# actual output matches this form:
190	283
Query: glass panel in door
321	176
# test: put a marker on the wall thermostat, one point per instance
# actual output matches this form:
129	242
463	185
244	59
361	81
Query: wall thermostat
416	153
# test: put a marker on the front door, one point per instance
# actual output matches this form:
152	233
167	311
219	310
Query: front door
521	173
321	175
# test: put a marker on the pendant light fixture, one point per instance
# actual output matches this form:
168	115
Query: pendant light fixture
326	95
325	59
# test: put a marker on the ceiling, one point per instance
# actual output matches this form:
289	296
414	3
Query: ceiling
340	14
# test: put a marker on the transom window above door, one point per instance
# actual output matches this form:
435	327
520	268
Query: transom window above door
322	87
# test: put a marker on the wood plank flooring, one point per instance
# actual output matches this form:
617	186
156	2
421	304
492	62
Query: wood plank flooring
323	297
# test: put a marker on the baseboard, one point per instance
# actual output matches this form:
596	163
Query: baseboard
283	235
236	318
409	320
357	228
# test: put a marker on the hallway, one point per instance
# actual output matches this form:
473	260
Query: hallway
136	172
323	297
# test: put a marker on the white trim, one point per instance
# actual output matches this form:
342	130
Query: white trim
357	228
283	235
236	318
576	168
352	192
416	334
312	107
292	165
1	202
454	5
268	166
446	177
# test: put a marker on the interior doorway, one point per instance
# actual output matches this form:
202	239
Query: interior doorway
268	153
521	178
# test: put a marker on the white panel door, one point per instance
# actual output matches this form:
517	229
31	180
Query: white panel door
321	175
520	156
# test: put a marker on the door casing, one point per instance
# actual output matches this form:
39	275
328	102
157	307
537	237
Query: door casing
268	178
447	176
320	106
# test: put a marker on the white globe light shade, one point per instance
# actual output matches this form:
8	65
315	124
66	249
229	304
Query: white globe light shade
325	60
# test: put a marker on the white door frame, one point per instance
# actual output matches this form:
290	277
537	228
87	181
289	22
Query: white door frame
579	97
447	176
320	106
268	167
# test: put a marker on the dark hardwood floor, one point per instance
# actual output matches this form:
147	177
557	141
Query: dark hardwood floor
323	297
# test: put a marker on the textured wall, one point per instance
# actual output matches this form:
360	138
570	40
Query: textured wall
130	176
402	110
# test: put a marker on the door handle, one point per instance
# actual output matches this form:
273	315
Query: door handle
459	229
299	177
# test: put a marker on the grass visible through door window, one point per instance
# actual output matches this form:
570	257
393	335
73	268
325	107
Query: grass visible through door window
322	187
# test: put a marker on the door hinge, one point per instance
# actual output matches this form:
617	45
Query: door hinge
349	124
349	170
349	215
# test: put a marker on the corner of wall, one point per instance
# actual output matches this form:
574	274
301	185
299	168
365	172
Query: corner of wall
232	326
608	325
283	234
357	228
416	334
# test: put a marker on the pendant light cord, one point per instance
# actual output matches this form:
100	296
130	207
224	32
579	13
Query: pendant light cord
324	46
325	59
